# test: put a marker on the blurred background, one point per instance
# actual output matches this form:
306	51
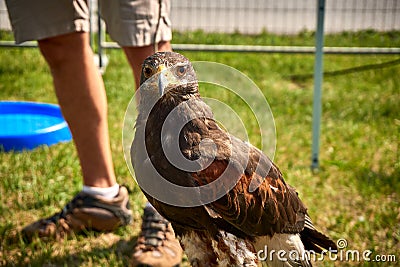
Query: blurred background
355	193
273	16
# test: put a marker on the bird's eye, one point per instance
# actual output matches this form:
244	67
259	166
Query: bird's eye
181	70
147	72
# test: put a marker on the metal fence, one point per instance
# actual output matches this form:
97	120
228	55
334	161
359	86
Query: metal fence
284	16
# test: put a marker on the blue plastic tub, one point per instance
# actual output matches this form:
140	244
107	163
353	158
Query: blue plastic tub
27	125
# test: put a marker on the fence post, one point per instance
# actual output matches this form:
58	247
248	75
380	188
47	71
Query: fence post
100	39
318	77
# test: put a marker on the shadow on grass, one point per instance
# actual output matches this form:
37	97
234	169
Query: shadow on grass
122	250
300	78
381	182
38	253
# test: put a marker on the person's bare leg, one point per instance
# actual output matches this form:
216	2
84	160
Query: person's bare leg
81	95
136	56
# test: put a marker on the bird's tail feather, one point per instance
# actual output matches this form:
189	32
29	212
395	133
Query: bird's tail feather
284	250
314	240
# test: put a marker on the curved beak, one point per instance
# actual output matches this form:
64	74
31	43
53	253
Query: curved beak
162	80
162	83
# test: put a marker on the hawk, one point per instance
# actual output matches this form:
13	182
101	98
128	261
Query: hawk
250	209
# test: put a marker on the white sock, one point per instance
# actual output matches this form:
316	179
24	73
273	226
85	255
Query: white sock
106	192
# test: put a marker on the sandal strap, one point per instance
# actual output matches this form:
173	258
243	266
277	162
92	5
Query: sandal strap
88	201
154	228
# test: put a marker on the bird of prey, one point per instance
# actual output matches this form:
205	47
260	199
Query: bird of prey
257	209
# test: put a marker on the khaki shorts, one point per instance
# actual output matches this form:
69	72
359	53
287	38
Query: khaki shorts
128	22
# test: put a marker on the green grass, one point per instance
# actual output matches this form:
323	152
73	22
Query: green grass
366	38
355	195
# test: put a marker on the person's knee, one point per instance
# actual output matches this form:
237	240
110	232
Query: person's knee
164	46
58	50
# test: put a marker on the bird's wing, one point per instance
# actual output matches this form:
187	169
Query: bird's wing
273	207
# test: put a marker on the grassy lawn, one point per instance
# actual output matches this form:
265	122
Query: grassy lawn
355	195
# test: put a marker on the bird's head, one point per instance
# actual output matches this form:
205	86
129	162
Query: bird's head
163	71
